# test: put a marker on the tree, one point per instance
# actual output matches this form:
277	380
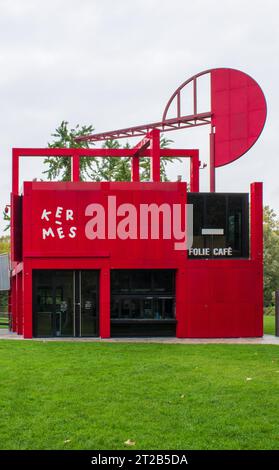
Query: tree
111	169
96	169
271	254
59	167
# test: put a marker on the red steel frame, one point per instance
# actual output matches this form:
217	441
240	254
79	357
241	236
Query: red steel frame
155	153
237	116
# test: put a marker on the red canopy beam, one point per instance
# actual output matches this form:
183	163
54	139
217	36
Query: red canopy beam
199	119
75	155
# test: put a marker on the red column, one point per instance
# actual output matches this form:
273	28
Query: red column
256	216
19	303
105	303
180	303
15	172
212	162
154	136
194	174
75	167
27	301
182	316
135	168
257	221
13	302
10	307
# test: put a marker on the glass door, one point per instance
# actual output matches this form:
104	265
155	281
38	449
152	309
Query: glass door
43	303
65	303
89	303
53	303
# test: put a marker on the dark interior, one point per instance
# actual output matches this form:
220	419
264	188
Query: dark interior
143	303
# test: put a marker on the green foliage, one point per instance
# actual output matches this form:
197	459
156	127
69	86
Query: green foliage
269	311
7	217
3	307
60	168
5	244
271	255
111	169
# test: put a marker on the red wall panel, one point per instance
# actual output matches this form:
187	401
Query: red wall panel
223	299
37	199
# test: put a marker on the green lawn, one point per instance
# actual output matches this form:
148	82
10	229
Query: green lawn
97	395
269	324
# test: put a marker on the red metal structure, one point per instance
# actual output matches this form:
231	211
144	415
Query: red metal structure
237	116
53	225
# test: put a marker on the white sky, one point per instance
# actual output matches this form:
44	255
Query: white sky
115	64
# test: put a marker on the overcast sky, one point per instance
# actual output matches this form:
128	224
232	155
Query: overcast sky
114	64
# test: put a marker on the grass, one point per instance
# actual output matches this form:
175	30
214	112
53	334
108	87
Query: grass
97	395
269	324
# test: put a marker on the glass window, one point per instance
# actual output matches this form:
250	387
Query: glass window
44	296
215	212
147	308
235	211
135	307
226	212
163	280
125	308
143	300
141	281
120	280
158	308
168	308
115	306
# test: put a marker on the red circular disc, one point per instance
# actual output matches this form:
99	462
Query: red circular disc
238	113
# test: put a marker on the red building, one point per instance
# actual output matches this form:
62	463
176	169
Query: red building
109	259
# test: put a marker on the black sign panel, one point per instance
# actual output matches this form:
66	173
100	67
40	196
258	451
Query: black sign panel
220	225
